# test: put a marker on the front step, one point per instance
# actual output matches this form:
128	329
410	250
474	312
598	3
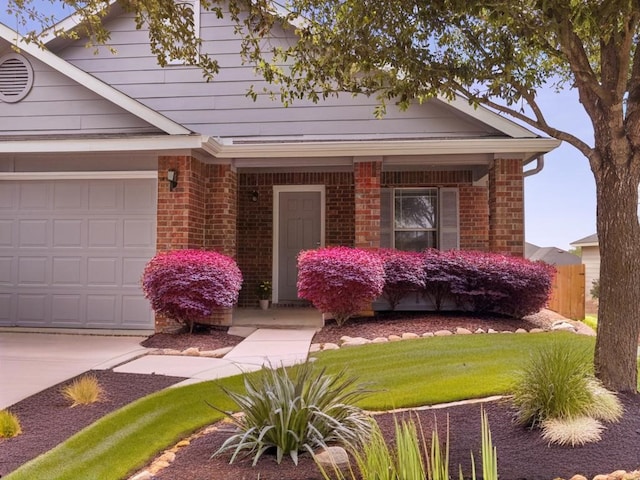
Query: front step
284	318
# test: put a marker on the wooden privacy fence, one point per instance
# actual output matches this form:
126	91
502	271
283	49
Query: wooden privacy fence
567	291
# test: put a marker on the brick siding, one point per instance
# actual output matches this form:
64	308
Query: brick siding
506	207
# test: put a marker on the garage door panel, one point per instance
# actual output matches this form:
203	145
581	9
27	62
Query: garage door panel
105	197
102	272
139	196
6	233
135	311
64	264
6	271
67	310
67	271
138	233
33	233
8	196
33	308
68	233
32	271
102	310
35	196
103	233
70	196
5	309
132	271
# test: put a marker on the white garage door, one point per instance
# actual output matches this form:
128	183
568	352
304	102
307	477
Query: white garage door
72	252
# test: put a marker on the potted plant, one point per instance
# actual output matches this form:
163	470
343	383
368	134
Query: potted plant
264	293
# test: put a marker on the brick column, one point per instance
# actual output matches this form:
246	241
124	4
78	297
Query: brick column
222	209
181	211
367	202
506	206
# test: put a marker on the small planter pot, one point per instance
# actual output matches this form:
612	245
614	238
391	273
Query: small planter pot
264	304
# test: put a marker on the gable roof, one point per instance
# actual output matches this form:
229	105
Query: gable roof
550	255
589	241
92	83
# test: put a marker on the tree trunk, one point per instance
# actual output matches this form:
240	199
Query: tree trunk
619	301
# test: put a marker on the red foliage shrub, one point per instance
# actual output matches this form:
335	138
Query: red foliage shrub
491	282
340	280
403	274
187	285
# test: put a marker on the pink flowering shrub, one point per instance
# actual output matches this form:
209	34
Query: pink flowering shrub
491	282
187	285
403	274
340	280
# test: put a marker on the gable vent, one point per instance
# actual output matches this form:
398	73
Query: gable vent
16	78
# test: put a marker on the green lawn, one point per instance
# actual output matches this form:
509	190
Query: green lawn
403	374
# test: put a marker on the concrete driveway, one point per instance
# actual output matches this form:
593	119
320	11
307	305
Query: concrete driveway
31	362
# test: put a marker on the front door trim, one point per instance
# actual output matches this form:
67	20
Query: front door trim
277	189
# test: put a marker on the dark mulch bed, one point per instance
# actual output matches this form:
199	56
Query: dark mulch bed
522	454
47	420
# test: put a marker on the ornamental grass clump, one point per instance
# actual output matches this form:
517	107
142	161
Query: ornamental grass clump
9	424
557	392
188	285
83	391
295	410
340	280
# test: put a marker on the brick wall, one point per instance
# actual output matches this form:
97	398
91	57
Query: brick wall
222	209
506	207
255	220
474	211
181	212
367	204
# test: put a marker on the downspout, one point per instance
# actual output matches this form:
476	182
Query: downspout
537	169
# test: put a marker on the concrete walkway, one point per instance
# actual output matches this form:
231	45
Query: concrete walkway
32	362
264	347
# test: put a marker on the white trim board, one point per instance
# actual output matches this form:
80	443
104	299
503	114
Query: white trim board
114	175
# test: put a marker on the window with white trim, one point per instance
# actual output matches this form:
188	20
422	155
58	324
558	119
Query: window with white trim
419	218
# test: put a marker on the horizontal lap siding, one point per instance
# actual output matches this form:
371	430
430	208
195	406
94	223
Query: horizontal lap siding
57	105
222	108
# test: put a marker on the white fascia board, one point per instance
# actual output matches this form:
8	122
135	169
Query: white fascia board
520	146
489	117
88	175
92	83
148	143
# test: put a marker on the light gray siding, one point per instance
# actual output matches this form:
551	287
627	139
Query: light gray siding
591	260
56	105
221	107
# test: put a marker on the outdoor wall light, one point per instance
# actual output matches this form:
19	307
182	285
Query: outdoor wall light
172	178
254	195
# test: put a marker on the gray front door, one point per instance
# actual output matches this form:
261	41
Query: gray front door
299	229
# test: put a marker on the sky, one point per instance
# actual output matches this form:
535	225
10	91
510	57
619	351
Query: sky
560	201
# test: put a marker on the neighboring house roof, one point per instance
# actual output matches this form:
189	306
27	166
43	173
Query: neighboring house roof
550	255
92	83
590	241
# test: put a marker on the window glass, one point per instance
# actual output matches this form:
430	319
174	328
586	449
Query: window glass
415	218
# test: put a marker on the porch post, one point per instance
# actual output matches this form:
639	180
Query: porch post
222	209
181	211
367	172
506	206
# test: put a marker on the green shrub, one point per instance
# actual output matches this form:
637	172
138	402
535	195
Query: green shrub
558	384
297	410
595	288
83	391
9	424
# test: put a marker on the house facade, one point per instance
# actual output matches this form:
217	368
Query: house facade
106	159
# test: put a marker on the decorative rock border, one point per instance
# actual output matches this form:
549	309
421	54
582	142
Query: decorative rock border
192	352
347	341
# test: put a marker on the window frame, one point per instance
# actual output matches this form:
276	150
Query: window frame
420	191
